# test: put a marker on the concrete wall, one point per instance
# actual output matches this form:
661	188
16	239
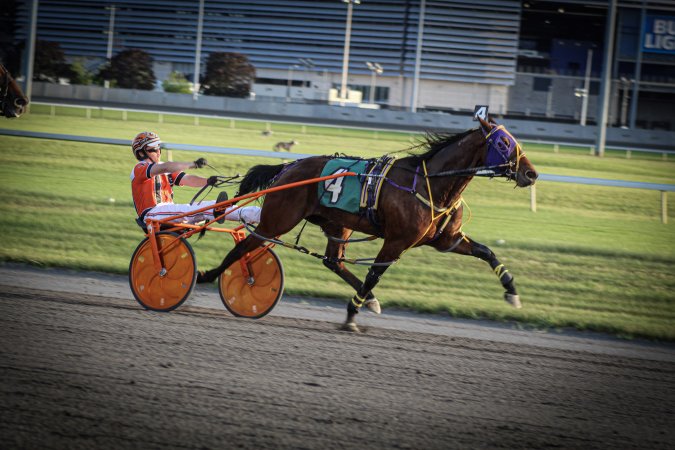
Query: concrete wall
269	109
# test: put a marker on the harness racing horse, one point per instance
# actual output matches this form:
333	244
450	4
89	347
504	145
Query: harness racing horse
12	100
419	205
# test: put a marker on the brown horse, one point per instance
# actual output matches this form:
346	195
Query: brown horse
12	100
419	205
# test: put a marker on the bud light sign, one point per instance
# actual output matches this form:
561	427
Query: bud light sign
659	34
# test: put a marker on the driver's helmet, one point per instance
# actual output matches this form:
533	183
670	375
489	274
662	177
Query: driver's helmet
142	141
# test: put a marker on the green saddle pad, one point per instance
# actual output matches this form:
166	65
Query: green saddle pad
343	192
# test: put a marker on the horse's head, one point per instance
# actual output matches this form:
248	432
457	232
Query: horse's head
505	155
12	101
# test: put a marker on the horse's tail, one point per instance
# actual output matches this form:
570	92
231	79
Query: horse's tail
259	177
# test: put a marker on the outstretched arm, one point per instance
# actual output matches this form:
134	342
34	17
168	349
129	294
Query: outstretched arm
170	167
193	181
186	180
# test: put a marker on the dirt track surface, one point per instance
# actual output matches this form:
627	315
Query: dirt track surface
81	370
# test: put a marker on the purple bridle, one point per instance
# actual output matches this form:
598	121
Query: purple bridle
501	145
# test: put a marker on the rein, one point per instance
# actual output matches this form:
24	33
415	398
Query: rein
484	171
221	181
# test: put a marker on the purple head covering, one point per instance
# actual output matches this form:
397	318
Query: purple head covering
501	146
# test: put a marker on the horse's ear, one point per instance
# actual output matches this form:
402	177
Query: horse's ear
491	120
484	124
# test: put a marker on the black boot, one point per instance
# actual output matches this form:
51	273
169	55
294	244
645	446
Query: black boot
220	211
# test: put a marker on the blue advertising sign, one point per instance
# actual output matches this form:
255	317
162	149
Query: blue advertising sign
659	34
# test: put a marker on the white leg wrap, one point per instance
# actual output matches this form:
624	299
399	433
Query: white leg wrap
373	305
513	300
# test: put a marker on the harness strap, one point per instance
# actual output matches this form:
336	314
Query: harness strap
447	210
347	241
455	244
410	190
426	202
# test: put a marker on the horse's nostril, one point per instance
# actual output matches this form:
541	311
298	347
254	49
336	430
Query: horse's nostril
20	102
531	174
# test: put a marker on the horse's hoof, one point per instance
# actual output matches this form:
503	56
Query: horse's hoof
350	326
513	300
202	277
373	305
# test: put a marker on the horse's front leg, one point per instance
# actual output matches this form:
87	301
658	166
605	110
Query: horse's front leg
361	296
334	252
464	245
389	253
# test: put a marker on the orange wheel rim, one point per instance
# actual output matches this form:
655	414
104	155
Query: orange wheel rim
254	300
167	292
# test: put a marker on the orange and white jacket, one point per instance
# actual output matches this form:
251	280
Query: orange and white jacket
148	191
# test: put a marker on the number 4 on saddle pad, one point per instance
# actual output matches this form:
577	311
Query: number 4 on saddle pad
343	192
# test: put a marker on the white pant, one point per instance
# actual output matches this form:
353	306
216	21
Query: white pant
248	214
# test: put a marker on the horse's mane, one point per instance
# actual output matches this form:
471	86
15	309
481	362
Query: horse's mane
433	143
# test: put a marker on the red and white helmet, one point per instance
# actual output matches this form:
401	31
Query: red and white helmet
142	141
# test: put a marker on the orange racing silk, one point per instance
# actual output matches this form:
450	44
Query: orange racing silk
148	191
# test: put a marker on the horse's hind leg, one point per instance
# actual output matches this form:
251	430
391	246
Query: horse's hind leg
464	245
287	216
335	251
250	243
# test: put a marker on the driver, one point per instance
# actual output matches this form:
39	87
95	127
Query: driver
152	184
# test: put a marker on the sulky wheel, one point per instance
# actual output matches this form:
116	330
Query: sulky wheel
168	292
254	296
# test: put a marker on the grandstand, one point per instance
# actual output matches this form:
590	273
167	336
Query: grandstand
525	58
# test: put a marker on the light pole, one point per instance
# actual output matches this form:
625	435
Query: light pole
290	81
375	69
345	56
29	55
418	58
198	50
638	68
606	82
587	86
111	36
